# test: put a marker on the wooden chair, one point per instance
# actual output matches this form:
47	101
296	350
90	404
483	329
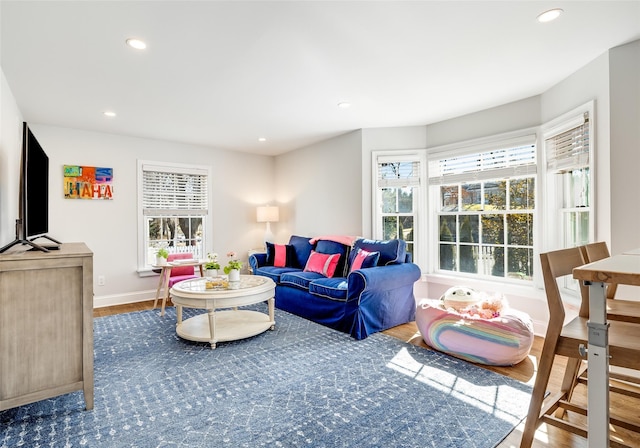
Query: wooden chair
565	340
617	309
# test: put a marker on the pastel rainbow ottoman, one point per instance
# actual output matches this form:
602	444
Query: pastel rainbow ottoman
500	341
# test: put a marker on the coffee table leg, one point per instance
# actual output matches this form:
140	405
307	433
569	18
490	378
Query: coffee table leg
178	314
212	327
272	316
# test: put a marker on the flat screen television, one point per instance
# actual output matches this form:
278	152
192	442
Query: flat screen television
33	216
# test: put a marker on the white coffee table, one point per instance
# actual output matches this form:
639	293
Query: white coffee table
223	320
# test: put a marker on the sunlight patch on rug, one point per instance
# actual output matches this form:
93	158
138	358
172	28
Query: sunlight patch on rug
492	399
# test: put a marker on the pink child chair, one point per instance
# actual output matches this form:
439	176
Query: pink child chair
176	274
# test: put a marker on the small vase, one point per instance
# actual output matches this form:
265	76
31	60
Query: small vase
234	275
211	273
161	261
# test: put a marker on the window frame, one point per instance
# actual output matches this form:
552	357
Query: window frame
482	213
553	192
177	168
419	231
504	140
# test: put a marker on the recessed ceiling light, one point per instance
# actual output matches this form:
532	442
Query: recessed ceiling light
262	139
136	43
109	113
344	105
550	15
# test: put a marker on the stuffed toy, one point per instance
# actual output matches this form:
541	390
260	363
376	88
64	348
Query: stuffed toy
459	297
467	301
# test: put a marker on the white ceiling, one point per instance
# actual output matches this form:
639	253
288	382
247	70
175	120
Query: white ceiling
223	73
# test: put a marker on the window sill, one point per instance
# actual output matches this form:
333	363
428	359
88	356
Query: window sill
506	288
510	290
147	272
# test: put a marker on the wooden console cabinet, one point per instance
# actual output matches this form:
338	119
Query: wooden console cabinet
46	324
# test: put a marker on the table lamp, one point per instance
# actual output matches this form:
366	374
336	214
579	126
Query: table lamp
268	214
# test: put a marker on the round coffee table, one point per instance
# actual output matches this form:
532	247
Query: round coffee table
223	320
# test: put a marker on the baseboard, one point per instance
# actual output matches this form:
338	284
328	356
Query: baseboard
539	326
123	299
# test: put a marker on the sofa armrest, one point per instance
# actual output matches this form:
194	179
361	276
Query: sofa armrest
382	297
376	283
257	260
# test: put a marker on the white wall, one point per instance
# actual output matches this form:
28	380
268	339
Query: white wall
591	82
239	182
624	88
325	188
508	117
319	189
10	150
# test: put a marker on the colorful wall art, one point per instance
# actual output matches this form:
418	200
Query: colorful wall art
88	182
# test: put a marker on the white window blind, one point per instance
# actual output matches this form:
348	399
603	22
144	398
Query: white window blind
167	193
398	173
569	149
504	160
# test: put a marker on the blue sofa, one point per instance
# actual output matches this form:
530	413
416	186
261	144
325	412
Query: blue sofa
355	301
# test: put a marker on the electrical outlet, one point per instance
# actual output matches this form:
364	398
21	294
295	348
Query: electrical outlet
101	280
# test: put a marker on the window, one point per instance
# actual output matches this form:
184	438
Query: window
568	158
397	191
484	197
174	209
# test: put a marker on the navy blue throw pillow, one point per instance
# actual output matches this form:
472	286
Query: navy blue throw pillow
280	255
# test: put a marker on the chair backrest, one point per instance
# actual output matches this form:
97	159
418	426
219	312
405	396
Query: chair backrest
598	251
181	270
557	264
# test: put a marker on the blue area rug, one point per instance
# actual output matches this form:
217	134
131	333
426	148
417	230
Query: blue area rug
299	385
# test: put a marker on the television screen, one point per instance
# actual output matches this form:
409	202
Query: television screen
33	216
36	186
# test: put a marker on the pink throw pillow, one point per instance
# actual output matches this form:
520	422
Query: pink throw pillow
324	264
280	258
364	259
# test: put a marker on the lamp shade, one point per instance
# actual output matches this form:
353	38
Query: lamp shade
267	213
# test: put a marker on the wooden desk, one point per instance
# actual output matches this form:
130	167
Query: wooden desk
623	269
163	281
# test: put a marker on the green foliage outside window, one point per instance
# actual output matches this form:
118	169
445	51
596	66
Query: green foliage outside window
486	228
398	219
175	233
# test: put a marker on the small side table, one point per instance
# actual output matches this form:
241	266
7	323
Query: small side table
259	250
163	281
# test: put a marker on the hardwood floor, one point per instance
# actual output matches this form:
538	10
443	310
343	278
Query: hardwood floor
546	436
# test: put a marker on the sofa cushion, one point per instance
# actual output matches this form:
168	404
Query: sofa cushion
330	288
302	249
333	247
280	255
299	279
324	264
274	273
361	259
391	251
